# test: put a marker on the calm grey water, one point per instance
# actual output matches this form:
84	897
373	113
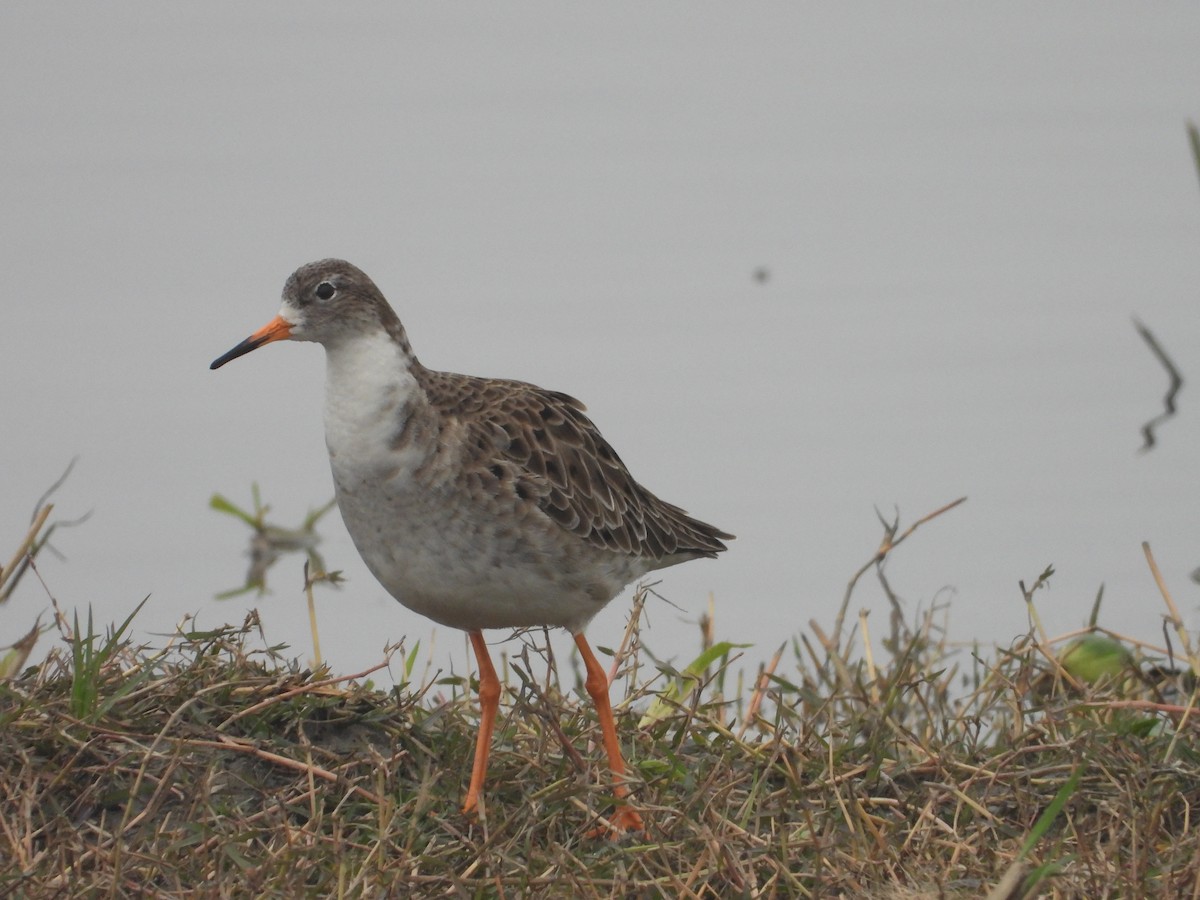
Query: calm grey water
959	207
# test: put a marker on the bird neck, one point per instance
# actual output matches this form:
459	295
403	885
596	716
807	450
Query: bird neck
369	385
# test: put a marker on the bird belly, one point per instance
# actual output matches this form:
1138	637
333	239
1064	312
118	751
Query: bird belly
473	565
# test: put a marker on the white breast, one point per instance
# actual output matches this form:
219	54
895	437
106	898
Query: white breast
368	389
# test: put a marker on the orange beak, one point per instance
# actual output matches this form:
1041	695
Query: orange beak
275	330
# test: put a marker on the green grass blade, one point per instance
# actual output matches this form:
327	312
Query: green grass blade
1046	819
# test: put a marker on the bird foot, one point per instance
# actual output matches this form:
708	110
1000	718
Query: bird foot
623	821
471	810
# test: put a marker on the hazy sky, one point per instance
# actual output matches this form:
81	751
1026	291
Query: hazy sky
960	208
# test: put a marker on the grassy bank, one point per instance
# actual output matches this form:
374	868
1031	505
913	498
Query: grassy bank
888	767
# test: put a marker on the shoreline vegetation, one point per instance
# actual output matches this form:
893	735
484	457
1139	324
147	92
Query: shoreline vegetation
847	765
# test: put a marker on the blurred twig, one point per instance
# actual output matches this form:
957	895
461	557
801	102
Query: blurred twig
269	541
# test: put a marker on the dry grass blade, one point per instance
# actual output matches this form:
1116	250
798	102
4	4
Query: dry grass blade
23	549
889	542
1175	618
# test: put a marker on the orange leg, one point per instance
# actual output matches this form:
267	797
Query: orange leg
625	818
489	702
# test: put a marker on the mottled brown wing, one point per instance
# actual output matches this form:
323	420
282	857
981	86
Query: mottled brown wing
560	460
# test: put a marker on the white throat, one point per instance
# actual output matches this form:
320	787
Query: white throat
368	392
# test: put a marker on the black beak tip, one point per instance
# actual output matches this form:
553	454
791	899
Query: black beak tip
241	349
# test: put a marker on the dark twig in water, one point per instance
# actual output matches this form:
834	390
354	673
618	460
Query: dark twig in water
1172	391
1194	138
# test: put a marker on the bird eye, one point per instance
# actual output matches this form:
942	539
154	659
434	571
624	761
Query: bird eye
325	290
